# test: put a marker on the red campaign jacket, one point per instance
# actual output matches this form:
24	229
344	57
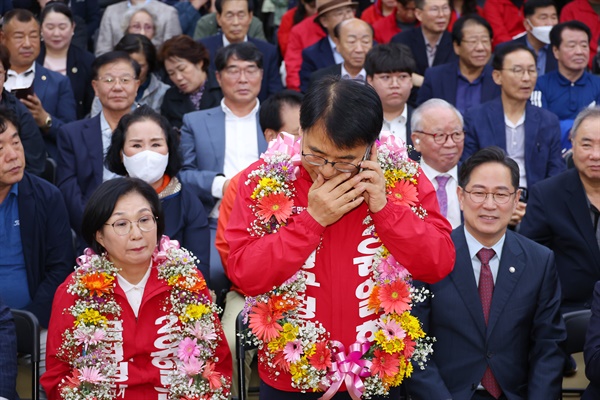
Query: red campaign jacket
145	344
302	35
505	18
582	11
374	13
386	28
337	283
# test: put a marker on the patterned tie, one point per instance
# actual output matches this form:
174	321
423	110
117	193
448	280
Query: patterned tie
441	193
486	290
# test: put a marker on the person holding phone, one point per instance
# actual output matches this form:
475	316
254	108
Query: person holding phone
330	215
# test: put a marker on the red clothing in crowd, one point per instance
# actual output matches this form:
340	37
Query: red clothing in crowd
147	355
582	11
285	27
374	13
386	28
302	35
337	274
505	18
454	16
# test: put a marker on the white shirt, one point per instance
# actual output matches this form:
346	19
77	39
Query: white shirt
227	42
19	81
362	75
515	145
241	148
474	247
397	126
336	55
453	206
106	136
135	292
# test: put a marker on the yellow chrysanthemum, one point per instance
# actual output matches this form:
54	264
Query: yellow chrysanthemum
412	326
289	332
298	370
266	184
194	312
277	344
91	317
409	370
173	279
310	351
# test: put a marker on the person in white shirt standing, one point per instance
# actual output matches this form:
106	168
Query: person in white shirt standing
437	132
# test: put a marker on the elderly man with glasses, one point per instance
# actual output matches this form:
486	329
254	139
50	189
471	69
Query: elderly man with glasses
530	135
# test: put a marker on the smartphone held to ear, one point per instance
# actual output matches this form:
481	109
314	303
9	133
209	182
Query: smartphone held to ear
366	157
22	93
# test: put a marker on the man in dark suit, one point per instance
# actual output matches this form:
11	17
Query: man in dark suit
82	144
389	68
353	38
496	317
562	213
430	43
529	134
324	53
8	354
468	81
50	100
540	17
234	19
36	253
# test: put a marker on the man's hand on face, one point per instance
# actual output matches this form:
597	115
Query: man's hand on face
329	200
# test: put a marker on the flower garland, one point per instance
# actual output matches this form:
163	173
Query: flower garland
303	348
87	345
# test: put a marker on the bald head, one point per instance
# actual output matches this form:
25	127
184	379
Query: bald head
353	39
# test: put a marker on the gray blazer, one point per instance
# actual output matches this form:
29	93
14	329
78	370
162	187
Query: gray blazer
111	27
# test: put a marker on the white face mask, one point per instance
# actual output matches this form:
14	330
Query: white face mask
541	33
147	165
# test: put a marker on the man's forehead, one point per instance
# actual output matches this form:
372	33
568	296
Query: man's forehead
235	5
233	61
15	25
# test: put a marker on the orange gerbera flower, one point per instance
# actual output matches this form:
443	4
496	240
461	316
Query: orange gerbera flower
322	358
275	205
280	305
374	303
281	362
263	322
98	283
404	193
212	376
384	364
395	297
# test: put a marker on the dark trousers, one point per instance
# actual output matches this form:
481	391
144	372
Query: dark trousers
269	393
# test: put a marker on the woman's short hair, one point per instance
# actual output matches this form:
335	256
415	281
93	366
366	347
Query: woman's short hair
351	113
185	47
113	159
102	203
134	10
57	7
133	43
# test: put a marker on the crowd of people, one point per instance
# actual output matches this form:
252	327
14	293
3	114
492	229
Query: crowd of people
400	196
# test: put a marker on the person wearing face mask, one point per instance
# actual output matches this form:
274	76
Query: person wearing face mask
540	17
144	146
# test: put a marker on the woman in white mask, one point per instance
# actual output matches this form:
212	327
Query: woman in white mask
145	146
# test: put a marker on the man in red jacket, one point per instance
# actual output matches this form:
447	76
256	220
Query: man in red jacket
338	188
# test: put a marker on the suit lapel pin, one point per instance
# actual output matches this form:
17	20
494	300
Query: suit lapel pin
43	77
74	70
511	270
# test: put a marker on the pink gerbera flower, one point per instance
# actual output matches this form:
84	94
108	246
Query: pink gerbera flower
188	349
203	332
404	193
263	322
213	377
275	205
91	375
192	367
293	351
395	297
392	330
88	339
384	364
390	269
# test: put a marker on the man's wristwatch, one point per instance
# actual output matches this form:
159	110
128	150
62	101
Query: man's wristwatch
48	123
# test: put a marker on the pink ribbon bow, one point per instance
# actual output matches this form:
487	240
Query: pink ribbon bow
160	252
348	368
285	143
84	259
393	143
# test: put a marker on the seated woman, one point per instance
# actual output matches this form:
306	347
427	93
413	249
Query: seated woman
186	62
59	54
145	146
136	313
141	21
151	90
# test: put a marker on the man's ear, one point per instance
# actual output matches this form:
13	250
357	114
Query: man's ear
497	77
270	134
416	141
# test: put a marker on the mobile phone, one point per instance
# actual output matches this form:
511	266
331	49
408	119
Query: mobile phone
22	93
366	157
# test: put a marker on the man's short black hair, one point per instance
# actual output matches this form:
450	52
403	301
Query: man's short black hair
531	5
219	5
491	154
350	112
557	30
101	205
270	109
389	58
457	29
8	116
113	57
113	160
244	51
506	49
20	14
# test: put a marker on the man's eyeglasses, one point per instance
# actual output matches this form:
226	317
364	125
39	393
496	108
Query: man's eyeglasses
520	71
319	161
441	138
112	81
122	227
478	196
236	72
